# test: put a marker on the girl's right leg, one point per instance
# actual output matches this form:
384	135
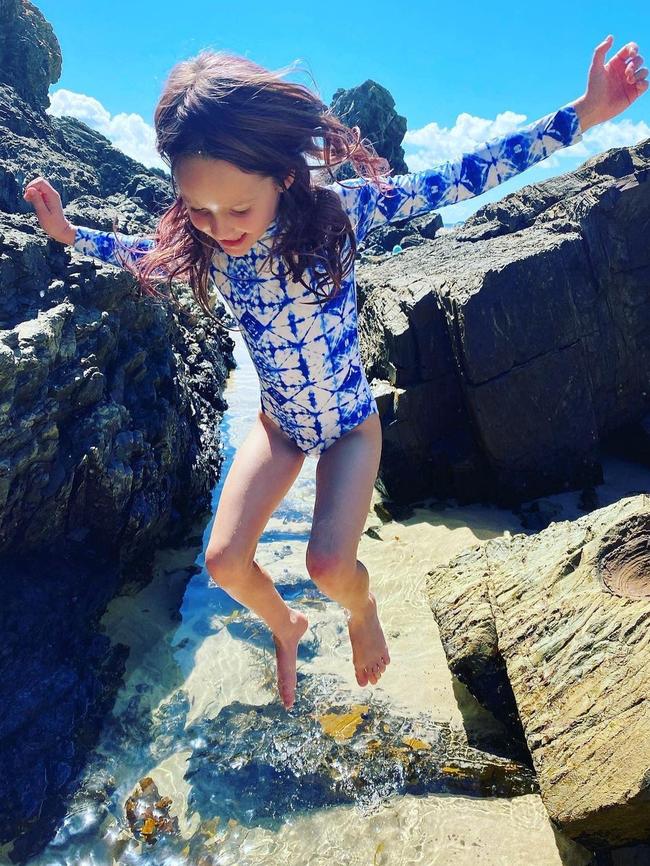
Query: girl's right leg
263	470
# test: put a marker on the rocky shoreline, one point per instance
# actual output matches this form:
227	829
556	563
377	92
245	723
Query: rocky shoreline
109	429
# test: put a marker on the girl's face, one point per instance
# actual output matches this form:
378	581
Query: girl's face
232	206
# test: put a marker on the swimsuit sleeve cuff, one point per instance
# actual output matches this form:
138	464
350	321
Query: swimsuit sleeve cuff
574	130
84	240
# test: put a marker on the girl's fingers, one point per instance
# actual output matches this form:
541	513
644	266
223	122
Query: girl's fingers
640	82
601	50
40	202
40	185
636	75
42	195
634	62
625	53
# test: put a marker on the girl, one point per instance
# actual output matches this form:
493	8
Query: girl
242	143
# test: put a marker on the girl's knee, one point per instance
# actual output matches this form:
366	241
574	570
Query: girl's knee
327	568
225	565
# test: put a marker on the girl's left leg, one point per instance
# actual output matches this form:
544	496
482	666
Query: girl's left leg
345	476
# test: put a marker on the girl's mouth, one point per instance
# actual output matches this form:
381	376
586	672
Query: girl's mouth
227	245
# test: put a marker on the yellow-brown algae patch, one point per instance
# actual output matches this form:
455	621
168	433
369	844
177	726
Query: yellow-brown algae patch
343	727
417	745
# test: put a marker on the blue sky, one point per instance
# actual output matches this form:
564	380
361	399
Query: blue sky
465	72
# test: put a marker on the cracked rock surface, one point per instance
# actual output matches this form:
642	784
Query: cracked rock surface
503	352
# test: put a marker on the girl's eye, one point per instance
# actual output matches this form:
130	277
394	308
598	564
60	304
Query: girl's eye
202	211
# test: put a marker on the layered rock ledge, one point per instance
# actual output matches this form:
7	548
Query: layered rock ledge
550	632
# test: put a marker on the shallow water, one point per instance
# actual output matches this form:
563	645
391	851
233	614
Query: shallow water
219	773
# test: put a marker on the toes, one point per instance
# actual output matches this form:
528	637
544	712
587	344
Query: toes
371	675
374	673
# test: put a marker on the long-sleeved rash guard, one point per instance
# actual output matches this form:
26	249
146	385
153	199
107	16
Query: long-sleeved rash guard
313	384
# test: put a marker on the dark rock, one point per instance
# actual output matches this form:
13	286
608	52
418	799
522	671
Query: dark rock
387	511
30	55
110	403
588	500
539	514
58	678
371	107
411	240
258	765
406	232
516	343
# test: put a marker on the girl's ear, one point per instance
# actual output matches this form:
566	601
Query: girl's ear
289	179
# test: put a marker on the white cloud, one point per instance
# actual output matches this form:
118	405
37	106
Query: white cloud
433	144
130	133
438	143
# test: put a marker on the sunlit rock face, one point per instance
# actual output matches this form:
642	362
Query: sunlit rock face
109	426
550	632
506	351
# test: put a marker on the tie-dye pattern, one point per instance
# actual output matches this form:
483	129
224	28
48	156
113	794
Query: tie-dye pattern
307	357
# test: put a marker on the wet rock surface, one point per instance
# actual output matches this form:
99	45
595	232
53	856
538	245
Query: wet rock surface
262	758
550	633
504	352
258	767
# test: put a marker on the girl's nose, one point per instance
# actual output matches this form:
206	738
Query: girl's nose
223	231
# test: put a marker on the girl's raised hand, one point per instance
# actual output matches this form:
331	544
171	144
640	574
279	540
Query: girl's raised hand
47	203
613	85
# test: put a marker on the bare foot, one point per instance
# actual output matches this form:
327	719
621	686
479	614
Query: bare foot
286	652
369	651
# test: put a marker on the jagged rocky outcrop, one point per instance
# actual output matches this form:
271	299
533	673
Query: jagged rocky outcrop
371	107
109	429
505	351
550	632
109	398
30	55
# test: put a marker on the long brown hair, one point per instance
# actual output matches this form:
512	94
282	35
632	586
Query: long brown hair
229	108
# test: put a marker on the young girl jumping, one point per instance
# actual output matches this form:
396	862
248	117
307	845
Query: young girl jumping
242	144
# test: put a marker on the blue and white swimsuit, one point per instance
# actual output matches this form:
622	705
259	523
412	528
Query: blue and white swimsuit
307	357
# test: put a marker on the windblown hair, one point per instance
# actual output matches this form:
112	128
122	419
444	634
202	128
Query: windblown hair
227	107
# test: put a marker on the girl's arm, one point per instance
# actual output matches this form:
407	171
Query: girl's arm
46	201
450	182
102	245
612	86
